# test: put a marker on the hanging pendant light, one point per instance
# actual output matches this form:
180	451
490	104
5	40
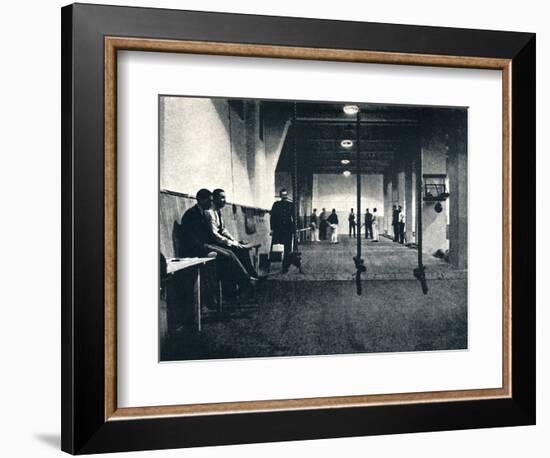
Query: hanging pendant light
351	109
346	143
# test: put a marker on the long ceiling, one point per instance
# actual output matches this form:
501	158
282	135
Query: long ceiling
384	132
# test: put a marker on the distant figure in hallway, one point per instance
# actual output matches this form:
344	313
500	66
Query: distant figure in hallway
374	226
323	225
333	222
368	224
351	222
395	223
198	241
314	225
282	223
221	235
401	225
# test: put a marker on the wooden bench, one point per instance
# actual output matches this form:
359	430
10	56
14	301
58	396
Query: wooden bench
175	265
184	263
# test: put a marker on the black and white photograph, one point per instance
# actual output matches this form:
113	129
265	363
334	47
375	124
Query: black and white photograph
275	229
306	227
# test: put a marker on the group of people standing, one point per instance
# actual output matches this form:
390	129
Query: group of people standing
323	225
371	225
327	223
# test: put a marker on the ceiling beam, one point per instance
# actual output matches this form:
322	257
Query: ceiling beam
364	162
353	122
339	171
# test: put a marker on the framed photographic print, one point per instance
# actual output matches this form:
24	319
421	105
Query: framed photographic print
284	228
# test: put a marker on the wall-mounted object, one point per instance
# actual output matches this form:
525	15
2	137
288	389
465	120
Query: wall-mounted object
435	189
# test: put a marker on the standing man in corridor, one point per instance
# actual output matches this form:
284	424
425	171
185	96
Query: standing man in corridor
282	224
395	223
401	224
323	225
368	224
351	221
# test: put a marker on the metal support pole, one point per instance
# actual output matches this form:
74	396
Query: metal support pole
358	173
419	272
295	192
359	261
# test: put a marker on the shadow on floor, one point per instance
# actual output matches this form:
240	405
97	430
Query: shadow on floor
52	440
328	318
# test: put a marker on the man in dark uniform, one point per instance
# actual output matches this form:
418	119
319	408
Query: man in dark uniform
282	223
395	223
198	241
368	224
323	225
351	221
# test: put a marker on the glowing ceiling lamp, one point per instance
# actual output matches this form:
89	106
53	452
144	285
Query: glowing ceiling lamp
346	143
344	161
351	109
346	173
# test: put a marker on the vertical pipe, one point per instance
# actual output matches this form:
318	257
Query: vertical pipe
233	197
295	195
419	195
419	272
359	262
358	173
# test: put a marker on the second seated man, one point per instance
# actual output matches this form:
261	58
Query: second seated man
221	237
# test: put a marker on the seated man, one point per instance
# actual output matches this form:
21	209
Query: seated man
198	241
221	236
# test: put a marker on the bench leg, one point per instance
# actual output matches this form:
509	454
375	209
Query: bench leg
220	297
257	260
198	302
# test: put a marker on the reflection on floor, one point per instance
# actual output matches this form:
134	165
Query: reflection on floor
385	260
326	318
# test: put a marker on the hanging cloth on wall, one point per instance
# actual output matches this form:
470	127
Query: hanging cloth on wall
249	220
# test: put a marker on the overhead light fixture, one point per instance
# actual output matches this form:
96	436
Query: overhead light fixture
346	143
351	109
344	161
346	173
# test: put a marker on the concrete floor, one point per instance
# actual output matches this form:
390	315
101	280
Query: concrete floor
385	260
299	315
